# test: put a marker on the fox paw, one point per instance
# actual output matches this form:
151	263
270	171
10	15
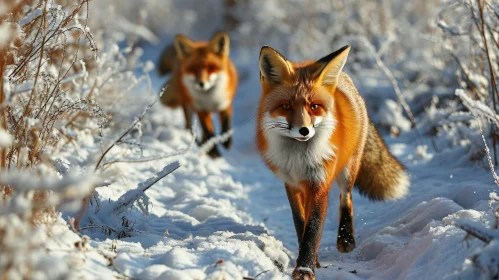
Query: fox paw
228	144
345	244
303	273
214	153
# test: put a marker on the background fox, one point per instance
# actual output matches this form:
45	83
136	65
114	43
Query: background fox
313	129
203	80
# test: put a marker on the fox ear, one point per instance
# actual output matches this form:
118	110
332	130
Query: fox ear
274	67
183	46
219	43
327	69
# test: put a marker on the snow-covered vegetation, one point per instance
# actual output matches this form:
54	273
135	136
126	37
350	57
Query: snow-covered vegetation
100	181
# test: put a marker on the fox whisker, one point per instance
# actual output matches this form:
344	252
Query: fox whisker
273	125
326	124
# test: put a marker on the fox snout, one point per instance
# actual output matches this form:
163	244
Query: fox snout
200	84
203	82
302	133
284	127
301	125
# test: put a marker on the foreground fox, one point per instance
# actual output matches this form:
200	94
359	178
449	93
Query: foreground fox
313	129
204	80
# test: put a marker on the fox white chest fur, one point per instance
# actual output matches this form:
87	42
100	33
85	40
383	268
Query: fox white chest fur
299	160
212	97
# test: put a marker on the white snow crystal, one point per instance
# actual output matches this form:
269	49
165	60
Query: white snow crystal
8	31
5	138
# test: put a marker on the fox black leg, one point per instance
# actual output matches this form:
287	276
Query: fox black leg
315	213
296	202
346	240
188	116
208	132
226	121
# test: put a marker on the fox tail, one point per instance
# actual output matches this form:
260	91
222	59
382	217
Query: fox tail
381	175
167	60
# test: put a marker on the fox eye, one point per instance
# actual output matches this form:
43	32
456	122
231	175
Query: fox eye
285	106
314	107
211	68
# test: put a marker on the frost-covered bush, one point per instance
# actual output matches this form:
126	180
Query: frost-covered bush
62	81
162	17
484	261
470	38
45	79
29	226
61	75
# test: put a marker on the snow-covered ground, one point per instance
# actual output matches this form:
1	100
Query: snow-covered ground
229	218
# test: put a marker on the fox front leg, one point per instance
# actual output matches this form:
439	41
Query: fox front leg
315	212
208	132
226	122
188	116
295	198
296	201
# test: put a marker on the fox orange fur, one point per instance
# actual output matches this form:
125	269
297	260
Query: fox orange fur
204	80
312	130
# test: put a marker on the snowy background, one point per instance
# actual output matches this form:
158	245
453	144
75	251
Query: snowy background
99	181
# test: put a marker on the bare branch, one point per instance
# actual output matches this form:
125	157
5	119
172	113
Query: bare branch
131	196
126	132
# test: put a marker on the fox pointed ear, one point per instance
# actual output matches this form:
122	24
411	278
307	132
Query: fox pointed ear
183	46
219	43
327	69
274	67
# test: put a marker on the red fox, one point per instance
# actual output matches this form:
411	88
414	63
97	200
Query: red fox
313	129
204	80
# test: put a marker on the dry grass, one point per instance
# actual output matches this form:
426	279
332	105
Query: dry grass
474	46
44	69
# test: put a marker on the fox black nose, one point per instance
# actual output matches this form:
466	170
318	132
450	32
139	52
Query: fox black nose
303	131
201	84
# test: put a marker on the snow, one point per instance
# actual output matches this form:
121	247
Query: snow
390	114
477	108
7	33
5	138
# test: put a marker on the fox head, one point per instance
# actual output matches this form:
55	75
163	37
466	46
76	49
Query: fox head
298	99
202	62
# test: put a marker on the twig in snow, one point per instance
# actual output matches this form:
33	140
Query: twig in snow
395	86
126	132
219	262
487	151
254	278
131	196
181	152
476	230
392	79
491	73
477	108
210	143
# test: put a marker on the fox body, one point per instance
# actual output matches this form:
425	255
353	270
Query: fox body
203	80
312	130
